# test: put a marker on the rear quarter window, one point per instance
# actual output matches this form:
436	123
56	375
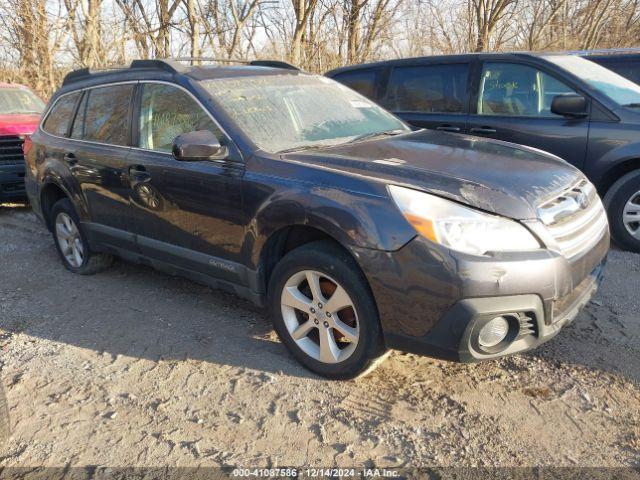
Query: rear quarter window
61	114
365	82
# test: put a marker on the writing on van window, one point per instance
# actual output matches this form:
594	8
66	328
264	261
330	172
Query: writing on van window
509	89
493	84
165	113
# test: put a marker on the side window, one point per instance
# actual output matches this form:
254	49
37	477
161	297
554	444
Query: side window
106	116
58	120
362	81
77	131
165	113
428	89
508	89
629	69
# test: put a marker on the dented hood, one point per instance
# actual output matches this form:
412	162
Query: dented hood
491	175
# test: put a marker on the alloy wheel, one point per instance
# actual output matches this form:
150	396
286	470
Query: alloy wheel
69	240
631	215
320	316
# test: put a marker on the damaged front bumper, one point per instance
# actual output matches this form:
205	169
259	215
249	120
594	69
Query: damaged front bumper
434	302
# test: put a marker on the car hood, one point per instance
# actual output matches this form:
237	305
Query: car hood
495	176
18	123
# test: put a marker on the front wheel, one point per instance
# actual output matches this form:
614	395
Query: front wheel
323	311
623	208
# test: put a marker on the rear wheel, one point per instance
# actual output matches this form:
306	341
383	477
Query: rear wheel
71	242
324	313
623	208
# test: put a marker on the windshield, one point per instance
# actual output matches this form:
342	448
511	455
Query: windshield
19	100
614	86
289	112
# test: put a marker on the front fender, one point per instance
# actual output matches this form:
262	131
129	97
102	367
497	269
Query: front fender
353	219
599	168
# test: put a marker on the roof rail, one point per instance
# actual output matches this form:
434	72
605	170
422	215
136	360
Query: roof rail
257	63
605	51
171	65
167	65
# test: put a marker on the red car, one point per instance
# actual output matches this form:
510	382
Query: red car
20	111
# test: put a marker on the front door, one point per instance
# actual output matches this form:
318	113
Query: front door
184	213
514	104
431	96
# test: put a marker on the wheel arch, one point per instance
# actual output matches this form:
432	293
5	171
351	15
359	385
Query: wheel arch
51	192
617	171
288	238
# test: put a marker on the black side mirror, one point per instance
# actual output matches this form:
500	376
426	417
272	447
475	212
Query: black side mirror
569	105
198	145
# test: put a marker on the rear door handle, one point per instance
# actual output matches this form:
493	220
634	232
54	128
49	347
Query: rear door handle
483	130
448	128
70	158
137	173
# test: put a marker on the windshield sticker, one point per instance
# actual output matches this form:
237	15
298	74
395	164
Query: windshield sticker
360	104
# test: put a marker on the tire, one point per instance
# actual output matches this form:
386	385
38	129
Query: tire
88	262
624	195
333	268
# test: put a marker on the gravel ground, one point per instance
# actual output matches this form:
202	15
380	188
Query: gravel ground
132	367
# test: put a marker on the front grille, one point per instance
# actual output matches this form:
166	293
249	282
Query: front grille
11	150
576	220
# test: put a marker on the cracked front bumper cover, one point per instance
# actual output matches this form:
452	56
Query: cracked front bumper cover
433	301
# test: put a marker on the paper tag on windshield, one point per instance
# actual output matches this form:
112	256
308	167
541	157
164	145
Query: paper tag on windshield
360	104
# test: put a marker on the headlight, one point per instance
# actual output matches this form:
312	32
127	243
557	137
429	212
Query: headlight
460	228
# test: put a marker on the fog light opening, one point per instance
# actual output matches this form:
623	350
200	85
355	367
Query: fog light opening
494	332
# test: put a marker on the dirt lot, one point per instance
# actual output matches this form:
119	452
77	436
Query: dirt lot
134	367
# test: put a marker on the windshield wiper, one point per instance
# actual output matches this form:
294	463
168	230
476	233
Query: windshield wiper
366	136
355	139
632	105
302	148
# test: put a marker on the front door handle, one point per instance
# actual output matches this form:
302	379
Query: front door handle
483	130
137	173
70	158
448	128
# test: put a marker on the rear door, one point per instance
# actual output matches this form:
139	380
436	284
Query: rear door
430	95
513	103
185	213
99	161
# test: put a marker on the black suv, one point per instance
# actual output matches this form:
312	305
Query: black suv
563	104
296	192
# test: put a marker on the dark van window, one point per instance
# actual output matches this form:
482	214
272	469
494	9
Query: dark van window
107	114
428	89
57	122
364	82
165	113
629	69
